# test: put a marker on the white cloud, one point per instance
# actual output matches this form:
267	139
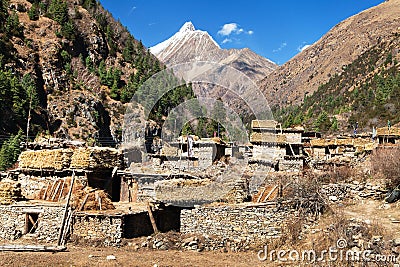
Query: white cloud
228	28
303	47
283	45
233	28
227	40
132	9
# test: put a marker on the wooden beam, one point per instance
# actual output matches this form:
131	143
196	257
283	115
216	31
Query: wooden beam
67	228
61	191
270	193
153	222
32	248
55	192
66	210
261	194
83	202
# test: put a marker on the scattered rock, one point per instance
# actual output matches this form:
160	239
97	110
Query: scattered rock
111	257
396	242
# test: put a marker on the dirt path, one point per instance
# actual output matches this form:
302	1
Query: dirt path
377	212
82	256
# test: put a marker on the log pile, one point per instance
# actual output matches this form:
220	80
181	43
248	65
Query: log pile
95	158
10	191
53	159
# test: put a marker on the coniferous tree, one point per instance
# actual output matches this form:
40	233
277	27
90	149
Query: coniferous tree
10	151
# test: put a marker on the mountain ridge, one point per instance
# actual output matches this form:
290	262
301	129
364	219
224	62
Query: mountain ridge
190	44
340	46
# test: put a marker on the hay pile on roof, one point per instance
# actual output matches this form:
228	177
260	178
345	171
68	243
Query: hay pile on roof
385	131
263	124
91	199
95	158
318	142
169	151
267	138
361	142
370	146
53	159
10	191
343	142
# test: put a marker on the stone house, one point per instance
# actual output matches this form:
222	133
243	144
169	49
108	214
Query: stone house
277	147
386	135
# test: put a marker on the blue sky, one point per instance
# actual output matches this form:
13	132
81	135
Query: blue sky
276	30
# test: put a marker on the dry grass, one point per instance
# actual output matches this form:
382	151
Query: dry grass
385	164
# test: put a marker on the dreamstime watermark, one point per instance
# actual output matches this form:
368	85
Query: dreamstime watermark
337	253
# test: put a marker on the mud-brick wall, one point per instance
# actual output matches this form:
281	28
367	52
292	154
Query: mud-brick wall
13	222
235	222
107	228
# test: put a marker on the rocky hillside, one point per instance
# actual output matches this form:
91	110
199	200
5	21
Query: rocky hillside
366	93
189	44
72	66
326	58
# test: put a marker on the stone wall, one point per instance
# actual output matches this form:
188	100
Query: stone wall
293	164
355	190
268	152
236	222
93	227
13	221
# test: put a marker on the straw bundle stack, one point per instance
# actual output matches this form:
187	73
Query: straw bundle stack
263	124
54	159
95	158
267	138
384	131
344	142
361	142
10	192
369	146
318	142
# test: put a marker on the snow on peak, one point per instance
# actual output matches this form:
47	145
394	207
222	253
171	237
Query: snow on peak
187	27
186	32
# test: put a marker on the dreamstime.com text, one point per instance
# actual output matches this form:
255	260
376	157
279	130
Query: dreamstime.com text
336	253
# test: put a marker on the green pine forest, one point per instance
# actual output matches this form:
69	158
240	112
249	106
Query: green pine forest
367	91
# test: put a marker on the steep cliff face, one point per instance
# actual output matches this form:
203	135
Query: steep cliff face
85	67
343	44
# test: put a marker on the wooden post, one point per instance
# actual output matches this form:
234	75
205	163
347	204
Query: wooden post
68	225
60	235
83	202
153	222
261	194
270	193
61	191
55	192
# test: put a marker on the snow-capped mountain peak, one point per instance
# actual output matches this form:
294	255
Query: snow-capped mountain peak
199	42
187	27
190	44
